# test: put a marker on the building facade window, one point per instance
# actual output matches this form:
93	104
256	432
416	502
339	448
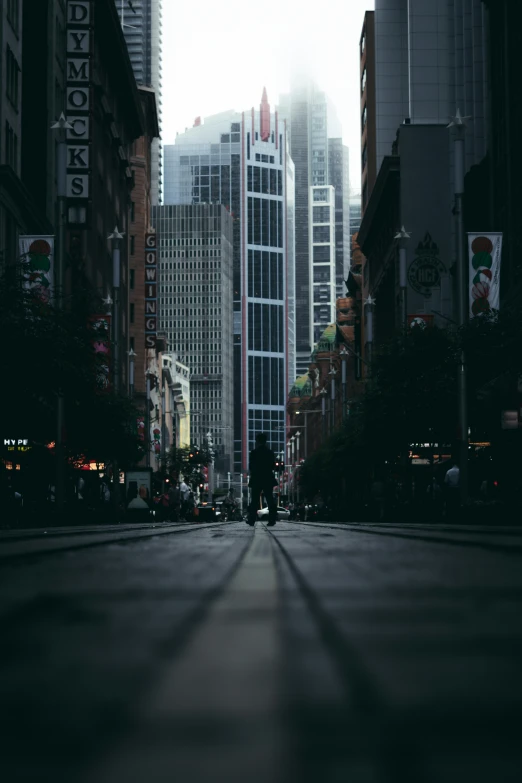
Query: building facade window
132	273
12	80
13	14
132	244
131	313
11	147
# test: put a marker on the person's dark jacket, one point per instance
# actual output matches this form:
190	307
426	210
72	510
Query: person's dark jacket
174	496
262	464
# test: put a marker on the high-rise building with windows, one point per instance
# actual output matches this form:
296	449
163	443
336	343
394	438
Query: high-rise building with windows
195	313
241	160
368	110
318	155
322	259
339	177
429	60
355	213
141	22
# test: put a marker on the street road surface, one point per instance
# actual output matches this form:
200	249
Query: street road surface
304	652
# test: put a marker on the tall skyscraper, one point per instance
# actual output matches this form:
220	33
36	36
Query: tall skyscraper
241	160
141	22
339	177
368	111
355	213
430	60
312	121
195	313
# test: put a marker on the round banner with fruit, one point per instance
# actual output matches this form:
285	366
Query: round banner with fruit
485	252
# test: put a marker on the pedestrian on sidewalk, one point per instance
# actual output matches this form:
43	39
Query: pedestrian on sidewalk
452	488
377	494
262	465
174	503
434	493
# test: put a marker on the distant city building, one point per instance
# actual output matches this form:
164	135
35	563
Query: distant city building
319	158
139	228
181	392
241	160
419	64
368	110
195	312
355	221
141	22
430	60
322	259
15	205
339	177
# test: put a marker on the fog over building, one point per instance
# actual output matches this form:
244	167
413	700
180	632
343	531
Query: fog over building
320	161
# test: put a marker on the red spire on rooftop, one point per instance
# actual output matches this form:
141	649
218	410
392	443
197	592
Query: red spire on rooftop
265	116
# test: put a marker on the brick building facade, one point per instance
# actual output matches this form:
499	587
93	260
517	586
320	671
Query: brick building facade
139	227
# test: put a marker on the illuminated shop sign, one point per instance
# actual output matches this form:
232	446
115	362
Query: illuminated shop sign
17	444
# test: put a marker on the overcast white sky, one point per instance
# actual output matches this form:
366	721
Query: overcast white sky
220	55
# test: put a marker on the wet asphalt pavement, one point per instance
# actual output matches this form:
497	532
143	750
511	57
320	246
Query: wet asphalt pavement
304	652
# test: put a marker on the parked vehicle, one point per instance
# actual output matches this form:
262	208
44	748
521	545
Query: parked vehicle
207	512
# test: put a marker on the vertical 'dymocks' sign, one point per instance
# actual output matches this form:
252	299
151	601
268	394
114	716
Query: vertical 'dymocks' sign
151	299
78	99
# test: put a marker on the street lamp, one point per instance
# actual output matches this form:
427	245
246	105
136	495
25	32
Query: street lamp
332	373
344	354
323	394
459	123
297	436
292	441
61	126
132	355
115	238
370	301
403	236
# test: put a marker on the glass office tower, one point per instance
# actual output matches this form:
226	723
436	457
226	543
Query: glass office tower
195	313
242	162
322	260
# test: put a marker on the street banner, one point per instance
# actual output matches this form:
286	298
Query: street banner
485	255
101	325
38	253
138	489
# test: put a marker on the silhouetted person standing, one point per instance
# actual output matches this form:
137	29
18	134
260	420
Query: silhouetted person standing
262	464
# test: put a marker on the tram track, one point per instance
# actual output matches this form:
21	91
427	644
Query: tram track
37	544
361	712
459	538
